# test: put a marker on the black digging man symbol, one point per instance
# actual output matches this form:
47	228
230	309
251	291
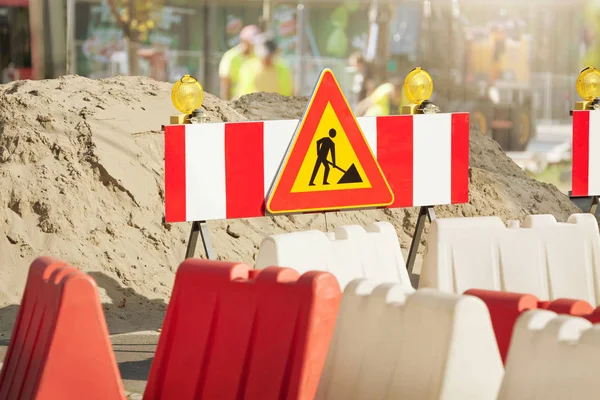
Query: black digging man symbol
324	147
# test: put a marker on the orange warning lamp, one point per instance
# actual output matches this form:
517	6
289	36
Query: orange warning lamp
187	96
588	88
418	88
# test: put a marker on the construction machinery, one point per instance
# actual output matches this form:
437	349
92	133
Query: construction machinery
478	57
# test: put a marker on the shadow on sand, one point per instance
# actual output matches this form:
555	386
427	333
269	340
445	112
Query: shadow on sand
134	352
127	312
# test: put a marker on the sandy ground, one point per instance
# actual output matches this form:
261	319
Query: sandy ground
81	178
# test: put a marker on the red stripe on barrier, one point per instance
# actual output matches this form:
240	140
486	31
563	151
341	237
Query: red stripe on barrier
460	159
395	156
175	188
581	153
244	169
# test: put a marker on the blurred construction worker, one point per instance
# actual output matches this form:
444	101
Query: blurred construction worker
498	37
10	74
363	78
386	99
232	60
266	72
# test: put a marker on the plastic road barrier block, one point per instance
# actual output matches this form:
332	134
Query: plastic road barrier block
350	252
505	308
39	272
594	317
547	259
568	307
227	335
393	344
60	347
552	357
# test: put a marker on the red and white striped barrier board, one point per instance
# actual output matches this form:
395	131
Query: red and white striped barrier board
225	170
586	154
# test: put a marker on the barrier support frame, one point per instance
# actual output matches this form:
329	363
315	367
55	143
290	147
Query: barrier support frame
425	213
588	204
200	228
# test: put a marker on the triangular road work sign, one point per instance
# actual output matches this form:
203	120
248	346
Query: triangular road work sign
329	164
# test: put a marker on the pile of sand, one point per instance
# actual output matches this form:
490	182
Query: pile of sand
81	172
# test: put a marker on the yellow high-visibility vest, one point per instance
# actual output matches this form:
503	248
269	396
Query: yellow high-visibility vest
231	64
252	68
381	101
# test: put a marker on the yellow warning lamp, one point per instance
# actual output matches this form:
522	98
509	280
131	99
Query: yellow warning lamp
418	88
187	96
588	88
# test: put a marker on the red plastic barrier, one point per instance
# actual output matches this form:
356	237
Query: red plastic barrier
60	347
232	333
594	317
504	309
578	308
39	272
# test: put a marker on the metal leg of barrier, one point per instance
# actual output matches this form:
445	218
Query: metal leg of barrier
200	227
425	212
587	204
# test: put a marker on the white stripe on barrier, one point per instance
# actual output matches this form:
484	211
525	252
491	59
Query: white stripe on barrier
369	128
205	170
432	163
277	138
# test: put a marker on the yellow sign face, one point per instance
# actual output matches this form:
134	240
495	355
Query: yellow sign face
330	163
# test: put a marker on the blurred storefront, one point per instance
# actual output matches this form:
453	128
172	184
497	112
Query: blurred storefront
15	39
191	37
32	38
171	49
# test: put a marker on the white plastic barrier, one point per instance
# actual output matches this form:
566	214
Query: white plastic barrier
393	344
552	357
542	257
350	252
